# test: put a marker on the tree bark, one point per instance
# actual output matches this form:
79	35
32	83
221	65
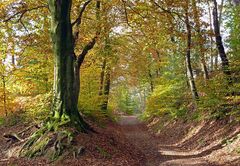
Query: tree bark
102	75
4	95
219	43
66	72
158	70
105	81
188	58
211	40
106	88
151	80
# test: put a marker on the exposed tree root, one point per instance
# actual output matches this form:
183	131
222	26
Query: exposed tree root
16	137
50	143
12	137
52	140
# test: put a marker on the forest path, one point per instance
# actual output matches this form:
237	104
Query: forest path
155	153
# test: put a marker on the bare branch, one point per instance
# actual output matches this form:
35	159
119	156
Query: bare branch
126	14
138	13
171	12
22	12
79	18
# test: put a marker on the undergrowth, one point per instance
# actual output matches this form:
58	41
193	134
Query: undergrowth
215	101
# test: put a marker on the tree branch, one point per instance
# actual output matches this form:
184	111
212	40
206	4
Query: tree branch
85	50
22	12
78	21
173	13
169	11
126	14
138	13
91	43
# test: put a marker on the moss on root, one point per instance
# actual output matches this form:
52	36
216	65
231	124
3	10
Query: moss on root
50	140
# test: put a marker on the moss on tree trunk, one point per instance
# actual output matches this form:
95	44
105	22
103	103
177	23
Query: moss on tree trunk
66	71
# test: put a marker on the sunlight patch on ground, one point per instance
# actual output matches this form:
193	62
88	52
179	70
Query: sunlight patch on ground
191	152
216	152
192	132
185	162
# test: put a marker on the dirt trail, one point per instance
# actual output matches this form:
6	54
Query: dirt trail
155	153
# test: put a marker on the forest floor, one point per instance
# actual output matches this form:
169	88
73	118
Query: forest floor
130	142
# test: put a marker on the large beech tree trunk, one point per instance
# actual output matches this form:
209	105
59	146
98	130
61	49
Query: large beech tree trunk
219	43
188	57
66	70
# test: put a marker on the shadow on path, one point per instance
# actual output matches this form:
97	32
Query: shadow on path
138	135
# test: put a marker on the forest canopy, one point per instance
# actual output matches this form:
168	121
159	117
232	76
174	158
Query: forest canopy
64	61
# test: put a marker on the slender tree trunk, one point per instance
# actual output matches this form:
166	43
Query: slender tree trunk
106	88
102	75
46	76
219	43
188	58
216	62
13	60
105	81
200	40
106	75
151	80
211	39
158	70
4	95
204	69
13	55
66	72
